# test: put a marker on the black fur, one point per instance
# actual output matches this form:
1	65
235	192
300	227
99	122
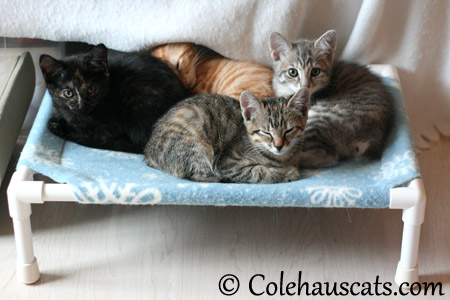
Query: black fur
116	97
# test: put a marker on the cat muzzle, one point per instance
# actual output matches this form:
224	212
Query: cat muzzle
81	105
73	105
279	148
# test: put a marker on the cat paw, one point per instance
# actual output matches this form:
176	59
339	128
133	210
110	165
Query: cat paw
56	126
292	174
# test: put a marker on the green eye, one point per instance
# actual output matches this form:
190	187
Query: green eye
293	72
92	89
315	72
68	93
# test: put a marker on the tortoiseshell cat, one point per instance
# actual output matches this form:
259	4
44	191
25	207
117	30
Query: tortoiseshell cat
208	138
351	109
108	99
207	72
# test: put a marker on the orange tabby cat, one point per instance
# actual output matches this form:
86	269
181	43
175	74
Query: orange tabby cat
207	72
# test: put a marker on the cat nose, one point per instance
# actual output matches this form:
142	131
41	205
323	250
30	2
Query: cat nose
279	147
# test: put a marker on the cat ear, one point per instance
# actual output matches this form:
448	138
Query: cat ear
300	101
50	67
98	57
279	46
327	42
250	105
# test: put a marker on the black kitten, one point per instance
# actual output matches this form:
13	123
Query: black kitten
108	99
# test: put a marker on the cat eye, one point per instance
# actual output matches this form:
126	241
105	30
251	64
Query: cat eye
288	131
92	89
267	134
293	72
68	93
315	72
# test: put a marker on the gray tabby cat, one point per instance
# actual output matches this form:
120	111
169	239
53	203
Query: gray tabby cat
209	138
351	109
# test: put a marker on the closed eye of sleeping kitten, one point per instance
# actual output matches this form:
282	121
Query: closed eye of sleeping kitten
210	138
207	72
351	109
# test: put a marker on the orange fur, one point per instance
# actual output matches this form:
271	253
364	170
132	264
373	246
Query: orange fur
211	73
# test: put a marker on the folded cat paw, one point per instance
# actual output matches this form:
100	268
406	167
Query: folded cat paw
292	174
57	126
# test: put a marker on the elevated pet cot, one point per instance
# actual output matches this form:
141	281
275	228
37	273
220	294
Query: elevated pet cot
96	176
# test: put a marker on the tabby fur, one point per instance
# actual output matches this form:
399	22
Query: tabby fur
210	138
207	72
351	109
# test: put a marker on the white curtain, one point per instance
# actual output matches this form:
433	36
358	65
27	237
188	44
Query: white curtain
413	35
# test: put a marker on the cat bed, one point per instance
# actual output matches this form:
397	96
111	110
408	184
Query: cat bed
102	177
106	177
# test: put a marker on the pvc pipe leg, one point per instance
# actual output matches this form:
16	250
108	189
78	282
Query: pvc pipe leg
27	268
413	217
407	268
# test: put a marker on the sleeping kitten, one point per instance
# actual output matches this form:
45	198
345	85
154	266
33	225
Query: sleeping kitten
108	99
351	109
207	72
208	138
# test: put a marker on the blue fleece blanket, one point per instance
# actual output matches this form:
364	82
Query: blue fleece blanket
100	176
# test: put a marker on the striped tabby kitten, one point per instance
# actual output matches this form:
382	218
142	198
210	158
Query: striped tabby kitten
351	109
208	138
207	72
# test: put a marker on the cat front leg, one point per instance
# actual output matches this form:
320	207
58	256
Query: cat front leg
204	178
94	135
289	174
58	127
263	174
69	130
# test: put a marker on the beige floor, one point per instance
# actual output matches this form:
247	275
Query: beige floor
120	252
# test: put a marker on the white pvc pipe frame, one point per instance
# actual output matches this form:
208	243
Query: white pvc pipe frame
23	191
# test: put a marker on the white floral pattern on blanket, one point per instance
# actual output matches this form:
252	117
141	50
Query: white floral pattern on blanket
400	164
116	193
334	196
